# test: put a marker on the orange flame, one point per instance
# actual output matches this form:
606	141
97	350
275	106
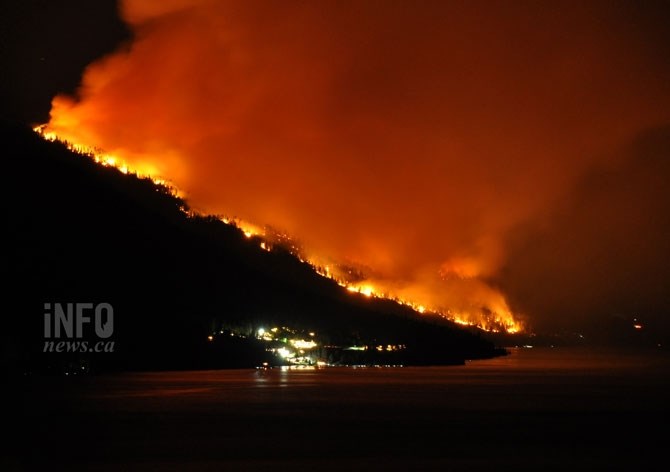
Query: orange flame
499	318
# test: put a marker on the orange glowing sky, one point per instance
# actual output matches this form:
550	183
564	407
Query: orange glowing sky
450	148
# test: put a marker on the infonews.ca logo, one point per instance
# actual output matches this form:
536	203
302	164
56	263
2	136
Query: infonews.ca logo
69	327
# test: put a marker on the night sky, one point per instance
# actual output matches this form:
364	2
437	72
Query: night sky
469	155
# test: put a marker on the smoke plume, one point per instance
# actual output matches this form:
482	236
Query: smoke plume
442	146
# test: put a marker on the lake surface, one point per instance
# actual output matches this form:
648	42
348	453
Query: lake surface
536	409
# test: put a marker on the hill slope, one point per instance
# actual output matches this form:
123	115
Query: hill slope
76	231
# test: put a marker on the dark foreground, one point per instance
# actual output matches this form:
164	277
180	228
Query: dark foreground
537	409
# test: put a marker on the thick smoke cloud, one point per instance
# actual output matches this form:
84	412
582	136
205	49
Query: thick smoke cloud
604	251
427	141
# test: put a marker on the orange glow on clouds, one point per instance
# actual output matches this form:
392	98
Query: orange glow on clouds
400	143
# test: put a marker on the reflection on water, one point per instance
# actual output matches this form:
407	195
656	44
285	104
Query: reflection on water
561	379
577	409
540	366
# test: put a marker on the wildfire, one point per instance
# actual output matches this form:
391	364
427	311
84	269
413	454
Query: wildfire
496	320
109	160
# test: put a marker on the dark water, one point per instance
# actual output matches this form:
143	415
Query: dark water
536	409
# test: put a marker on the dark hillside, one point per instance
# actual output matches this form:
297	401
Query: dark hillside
76	231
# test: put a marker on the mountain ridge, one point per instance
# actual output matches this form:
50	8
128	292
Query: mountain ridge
82	232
